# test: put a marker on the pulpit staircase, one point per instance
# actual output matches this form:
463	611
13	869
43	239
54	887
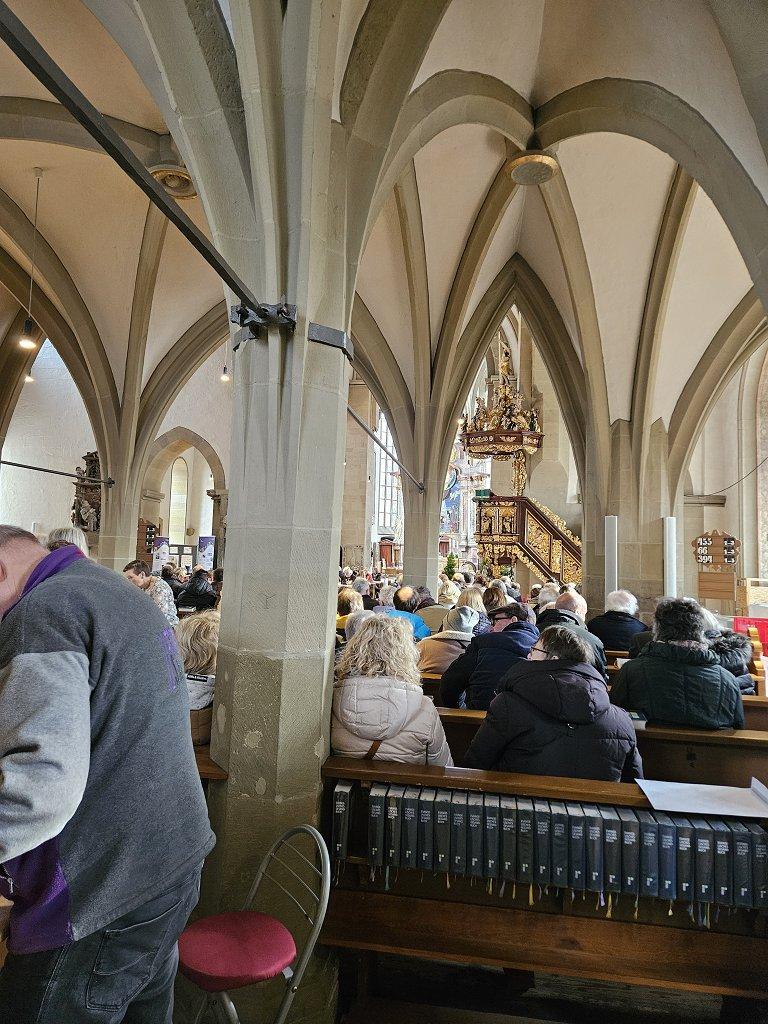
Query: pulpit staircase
518	528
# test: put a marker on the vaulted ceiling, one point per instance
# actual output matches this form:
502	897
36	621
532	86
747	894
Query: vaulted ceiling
635	265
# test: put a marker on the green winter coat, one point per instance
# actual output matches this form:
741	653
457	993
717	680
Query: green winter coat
675	685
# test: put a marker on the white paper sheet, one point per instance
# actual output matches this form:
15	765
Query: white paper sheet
687	798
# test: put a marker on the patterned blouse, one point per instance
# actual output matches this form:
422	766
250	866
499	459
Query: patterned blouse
162	595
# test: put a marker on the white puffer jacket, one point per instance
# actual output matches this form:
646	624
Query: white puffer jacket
366	709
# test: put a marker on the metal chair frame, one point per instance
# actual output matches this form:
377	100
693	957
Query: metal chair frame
220	1002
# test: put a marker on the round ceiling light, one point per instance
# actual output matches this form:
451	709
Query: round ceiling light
532	168
176	180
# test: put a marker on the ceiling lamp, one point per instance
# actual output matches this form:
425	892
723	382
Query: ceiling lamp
225	378
175	179
533	168
29	380
28	339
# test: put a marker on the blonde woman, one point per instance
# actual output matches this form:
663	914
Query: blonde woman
198	640
472	597
64	535
379	710
448	594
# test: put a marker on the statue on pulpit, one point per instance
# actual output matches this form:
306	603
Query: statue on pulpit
481	414
534	426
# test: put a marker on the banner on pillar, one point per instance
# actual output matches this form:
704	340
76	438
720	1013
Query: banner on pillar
205	548
161	553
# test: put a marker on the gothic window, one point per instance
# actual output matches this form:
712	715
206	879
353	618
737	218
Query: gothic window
388	497
177	525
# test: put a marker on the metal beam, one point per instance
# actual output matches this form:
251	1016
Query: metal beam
86	481
376	440
37	60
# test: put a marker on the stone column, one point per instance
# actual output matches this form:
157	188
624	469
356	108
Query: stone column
220	499
358	500
641	551
119	522
421	554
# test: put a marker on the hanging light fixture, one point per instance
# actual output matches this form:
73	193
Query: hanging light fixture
27	339
29	380
225	378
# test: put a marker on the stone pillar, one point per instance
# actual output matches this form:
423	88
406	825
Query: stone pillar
119	523
220	499
640	548
274	674
421	548
359	461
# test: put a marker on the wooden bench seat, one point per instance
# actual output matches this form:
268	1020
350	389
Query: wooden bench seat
419	915
209	770
725	757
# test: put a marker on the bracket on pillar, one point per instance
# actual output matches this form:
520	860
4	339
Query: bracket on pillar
284	315
37	60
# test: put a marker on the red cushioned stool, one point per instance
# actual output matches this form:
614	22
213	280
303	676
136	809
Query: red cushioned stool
230	951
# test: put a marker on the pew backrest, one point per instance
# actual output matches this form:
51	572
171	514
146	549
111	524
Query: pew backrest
727	757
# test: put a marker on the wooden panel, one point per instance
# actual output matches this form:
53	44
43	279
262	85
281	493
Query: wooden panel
207	767
717	586
756	712
644	954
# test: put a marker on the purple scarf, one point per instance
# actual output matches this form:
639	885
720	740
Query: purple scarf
49	566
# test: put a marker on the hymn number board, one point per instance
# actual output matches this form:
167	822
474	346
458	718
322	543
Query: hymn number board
716	551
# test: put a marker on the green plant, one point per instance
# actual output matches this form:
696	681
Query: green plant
451	565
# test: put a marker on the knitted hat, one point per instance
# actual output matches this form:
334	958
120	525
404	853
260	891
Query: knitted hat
461	620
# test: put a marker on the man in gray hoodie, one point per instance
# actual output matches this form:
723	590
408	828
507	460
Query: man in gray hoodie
103	824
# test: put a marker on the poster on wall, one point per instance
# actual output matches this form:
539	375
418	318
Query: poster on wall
161	553
205	546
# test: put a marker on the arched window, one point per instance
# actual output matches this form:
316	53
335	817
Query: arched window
388	496
177	524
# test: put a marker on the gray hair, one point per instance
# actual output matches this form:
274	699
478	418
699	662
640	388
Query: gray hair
354	622
621	601
67	535
11	534
711	621
386	597
361	585
548	594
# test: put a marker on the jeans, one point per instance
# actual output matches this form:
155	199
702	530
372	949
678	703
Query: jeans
122	974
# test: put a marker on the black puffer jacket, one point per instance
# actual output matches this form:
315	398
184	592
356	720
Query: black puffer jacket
734	652
676	685
472	680
554	718
198	593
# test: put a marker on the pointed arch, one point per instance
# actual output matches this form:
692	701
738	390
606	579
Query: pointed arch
649	112
167	448
741	334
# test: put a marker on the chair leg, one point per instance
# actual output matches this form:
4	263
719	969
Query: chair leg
224	1009
198	1018
286	1004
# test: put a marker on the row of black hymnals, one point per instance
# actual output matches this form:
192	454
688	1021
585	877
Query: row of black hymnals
582	847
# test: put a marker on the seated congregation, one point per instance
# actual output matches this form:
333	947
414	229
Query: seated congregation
539	670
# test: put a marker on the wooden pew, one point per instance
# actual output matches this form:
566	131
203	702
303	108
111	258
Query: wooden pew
420	916
430	684
727	757
209	770
756	667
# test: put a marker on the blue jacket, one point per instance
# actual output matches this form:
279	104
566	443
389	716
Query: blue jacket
420	628
473	679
